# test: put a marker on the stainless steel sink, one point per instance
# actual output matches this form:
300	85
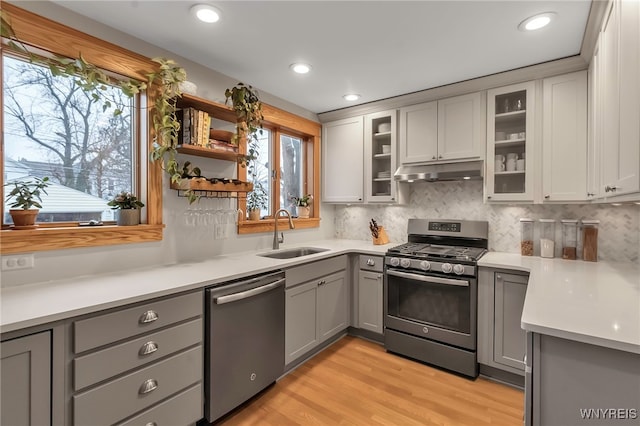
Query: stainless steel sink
291	253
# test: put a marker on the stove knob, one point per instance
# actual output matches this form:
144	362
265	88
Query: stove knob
425	266
458	269
405	263
394	261
447	268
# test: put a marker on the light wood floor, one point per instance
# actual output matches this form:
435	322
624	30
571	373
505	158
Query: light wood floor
355	382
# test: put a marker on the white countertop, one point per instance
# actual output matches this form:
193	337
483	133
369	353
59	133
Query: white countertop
34	304
597	303
590	302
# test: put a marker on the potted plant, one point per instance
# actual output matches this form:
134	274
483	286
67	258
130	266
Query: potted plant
256	200
248	109
26	194
302	205
127	207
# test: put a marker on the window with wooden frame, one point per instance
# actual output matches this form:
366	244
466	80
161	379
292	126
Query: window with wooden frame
288	165
145	178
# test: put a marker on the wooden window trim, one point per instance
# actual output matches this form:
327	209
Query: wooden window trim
42	33
281	121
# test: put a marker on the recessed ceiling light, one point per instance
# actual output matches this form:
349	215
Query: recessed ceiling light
206	13
351	97
300	68
536	22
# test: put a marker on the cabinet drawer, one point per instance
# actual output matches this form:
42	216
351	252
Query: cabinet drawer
183	409
371	263
113	401
108	328
101	365
308	272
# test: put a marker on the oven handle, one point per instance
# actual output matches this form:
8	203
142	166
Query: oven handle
221	300
437	280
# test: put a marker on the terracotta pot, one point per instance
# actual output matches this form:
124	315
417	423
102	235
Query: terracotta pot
128	217
24	219
303	212
254	214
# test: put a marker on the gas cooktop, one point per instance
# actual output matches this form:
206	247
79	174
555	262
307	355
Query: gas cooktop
424	250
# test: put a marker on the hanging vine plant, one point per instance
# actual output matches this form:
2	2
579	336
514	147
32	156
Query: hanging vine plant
165	82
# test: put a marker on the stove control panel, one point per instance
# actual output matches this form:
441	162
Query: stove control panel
435	266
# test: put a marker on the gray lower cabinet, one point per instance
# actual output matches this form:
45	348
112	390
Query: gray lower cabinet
572	383
316	305
25	380
501	340
370	293
141	364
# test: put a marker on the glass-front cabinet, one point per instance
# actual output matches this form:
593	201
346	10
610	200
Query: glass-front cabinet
380	132
510	141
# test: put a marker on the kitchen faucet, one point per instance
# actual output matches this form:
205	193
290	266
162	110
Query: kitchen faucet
277	240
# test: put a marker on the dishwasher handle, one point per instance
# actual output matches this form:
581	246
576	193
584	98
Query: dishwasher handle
221	300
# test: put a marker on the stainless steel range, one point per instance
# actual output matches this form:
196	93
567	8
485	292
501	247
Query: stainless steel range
431	293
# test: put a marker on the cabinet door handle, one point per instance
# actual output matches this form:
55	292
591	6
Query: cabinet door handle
440	157
371	262
590	194
610	188
488	197
498	277
147	386
148	348
433	158
321	282
546	197
149	316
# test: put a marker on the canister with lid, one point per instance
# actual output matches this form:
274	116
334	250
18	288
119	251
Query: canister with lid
569	238
547	237
526	237
590	240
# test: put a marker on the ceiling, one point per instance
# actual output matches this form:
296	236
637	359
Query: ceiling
378	49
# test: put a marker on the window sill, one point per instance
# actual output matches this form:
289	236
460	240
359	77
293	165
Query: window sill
43	239
266	225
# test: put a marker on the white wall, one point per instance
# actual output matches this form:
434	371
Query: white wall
180	243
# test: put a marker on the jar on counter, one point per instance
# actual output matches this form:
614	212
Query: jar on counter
526	237
569	238
590	240
547	237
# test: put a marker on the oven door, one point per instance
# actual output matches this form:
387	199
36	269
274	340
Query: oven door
432	307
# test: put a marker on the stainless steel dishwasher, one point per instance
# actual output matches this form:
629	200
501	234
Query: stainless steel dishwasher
244	339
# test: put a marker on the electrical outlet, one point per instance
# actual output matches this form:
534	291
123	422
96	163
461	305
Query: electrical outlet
18	261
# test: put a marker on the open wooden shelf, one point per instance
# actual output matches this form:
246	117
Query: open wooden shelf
201	184
214	109
201	151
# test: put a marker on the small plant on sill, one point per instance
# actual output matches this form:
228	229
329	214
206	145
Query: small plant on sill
303	201
26	194
125	200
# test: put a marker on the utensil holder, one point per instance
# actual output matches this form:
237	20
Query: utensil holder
382	238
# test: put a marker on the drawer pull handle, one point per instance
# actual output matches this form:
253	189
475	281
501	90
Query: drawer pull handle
148	348
151	424
371	262
149	316
149	385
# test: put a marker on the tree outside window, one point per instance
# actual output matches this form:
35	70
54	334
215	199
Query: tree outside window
54	128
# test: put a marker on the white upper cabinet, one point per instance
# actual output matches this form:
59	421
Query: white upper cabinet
510	143
461	127
594	141
380	130
564	137
343	161
419	133
616	97
446	130
622	166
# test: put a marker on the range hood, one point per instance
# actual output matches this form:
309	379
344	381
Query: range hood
440	172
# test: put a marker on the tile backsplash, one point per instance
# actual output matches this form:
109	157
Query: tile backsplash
618	238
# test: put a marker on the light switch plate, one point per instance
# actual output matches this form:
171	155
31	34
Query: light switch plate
18	261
